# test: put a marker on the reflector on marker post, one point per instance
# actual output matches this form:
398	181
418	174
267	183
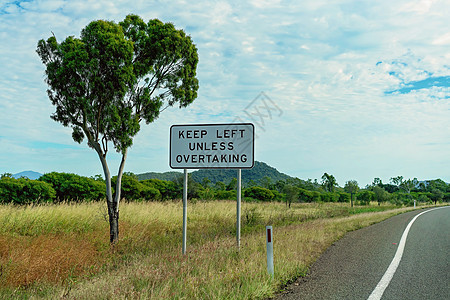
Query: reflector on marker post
269	242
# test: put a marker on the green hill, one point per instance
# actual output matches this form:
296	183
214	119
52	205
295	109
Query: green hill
172	175
257	173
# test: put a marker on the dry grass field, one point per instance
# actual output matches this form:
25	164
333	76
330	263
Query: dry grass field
63	251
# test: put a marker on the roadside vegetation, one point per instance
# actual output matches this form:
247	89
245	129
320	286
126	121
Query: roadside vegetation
54	235
65	187
60	250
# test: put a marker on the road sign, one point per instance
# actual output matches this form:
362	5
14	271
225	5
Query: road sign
212	146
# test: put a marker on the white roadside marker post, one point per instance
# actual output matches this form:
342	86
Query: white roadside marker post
238	210
269	242
185	190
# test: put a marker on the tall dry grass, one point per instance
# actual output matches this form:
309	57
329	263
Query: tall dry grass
62	250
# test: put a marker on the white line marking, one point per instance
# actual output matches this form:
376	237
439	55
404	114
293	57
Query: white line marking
386	279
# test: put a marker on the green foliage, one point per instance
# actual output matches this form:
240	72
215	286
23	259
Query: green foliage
232	186
206	183
149	193
292	193
105	82
135	190
365	197
329	197
280	197
25	191
259	193
220	186
194	188
437	195
168	189
344	197
446	197
206	194
266	182
131	187
72	187
397	181
225	195
308	196
166	176
408	185
437	184
424	197
380	194
256	174
352	188
328	182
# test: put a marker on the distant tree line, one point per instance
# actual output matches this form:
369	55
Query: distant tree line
66	187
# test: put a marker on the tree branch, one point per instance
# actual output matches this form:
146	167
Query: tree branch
119	180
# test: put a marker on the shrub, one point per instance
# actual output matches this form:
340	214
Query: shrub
36	191
446	197
167	189
365	197
280	197
225	195
259	193
25	191
10	190
150	193
206	194
329	197
423	197
307	196
72	187
131	187
344	197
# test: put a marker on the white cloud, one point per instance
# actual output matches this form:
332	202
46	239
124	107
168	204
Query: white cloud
442	40
327	65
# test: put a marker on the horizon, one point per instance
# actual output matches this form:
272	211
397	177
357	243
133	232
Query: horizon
356	90
193	170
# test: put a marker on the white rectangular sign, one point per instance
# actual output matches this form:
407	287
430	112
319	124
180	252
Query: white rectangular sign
214	146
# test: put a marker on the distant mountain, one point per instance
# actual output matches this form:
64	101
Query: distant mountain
29	174
257	173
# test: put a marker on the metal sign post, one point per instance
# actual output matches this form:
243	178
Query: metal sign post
238	210
185	190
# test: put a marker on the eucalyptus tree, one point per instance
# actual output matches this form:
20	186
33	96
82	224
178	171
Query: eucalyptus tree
329	182
352	188
409	185
397	181
105	83
291	192
380	194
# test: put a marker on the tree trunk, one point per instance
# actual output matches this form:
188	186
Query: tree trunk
113	223
112	203
113	206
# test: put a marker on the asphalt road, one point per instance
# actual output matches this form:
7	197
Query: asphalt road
353	266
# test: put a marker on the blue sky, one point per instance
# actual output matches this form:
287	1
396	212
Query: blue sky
357	89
